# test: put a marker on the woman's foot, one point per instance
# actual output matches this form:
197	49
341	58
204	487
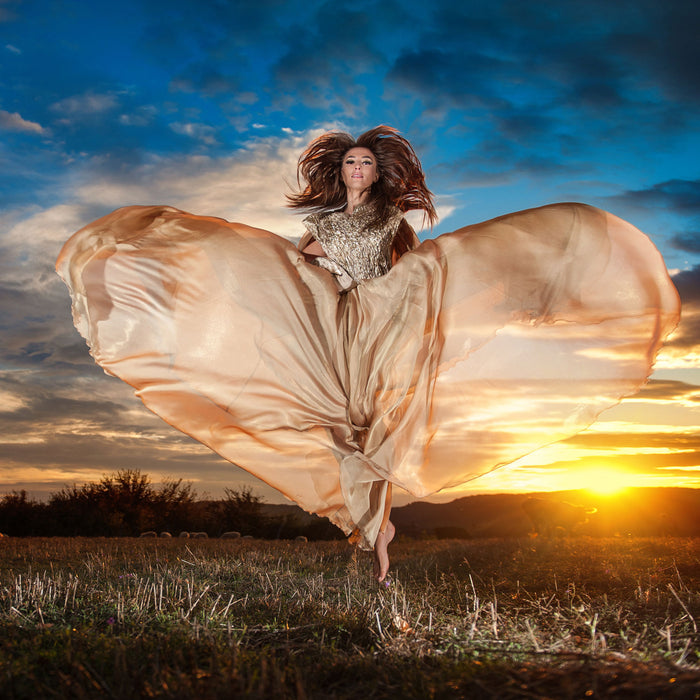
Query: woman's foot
381	554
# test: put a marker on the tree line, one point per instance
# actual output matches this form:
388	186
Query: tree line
126	503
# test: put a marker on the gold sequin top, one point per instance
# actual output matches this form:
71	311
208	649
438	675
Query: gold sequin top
363	250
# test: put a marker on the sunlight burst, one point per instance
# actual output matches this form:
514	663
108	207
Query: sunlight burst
605	481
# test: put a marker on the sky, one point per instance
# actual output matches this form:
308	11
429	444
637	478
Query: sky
205	105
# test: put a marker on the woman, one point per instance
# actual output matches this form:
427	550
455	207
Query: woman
359	190
385	362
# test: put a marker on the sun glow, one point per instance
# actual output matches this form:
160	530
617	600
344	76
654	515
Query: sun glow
604	481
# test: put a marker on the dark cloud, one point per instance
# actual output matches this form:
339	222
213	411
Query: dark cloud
565	79
86	421
669	390
452	79
661	464
688	241
205	79
667	47
495	162
631	441
529	74
687	337
600	51
678	196
688	285
7	10
323	63
72	428
681	196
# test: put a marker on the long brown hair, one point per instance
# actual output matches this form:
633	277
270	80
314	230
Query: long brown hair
401	180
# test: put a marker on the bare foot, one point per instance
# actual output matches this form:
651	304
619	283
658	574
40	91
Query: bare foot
381	555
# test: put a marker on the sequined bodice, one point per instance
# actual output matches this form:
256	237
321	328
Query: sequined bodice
362	248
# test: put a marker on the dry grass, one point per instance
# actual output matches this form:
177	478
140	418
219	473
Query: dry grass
493	618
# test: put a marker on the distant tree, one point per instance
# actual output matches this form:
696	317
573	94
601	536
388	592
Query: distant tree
241	511
75	511
21	515
127	499
321	529
174	506
122	504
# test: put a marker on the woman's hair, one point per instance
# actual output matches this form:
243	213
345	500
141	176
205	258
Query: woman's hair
401	180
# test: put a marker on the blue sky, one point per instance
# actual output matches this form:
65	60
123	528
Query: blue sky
206	105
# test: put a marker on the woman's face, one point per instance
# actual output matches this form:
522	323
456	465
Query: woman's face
359	169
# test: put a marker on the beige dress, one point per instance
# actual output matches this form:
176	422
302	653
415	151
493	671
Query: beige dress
474	349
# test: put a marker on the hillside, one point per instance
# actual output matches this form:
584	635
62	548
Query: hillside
637	512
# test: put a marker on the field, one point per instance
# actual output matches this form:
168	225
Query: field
499	618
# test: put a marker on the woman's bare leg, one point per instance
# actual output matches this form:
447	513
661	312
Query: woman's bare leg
386	534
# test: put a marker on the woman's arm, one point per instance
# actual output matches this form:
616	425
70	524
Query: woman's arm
314	249
313	253
310	248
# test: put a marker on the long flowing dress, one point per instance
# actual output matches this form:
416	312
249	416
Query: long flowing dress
474	349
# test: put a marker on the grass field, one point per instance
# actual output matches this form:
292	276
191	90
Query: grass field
565	618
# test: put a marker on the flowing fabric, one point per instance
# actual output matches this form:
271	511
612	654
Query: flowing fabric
476	348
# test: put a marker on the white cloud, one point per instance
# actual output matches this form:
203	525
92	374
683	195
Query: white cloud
13	49
201	132
142	116
13	121
247	186
29	247
10	402
89	103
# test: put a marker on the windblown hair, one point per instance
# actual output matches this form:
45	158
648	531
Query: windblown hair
401	180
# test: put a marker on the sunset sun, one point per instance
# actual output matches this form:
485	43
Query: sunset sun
604	481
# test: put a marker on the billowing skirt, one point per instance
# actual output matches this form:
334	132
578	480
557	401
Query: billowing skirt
477	348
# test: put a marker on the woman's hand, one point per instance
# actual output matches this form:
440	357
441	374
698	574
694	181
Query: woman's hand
340	274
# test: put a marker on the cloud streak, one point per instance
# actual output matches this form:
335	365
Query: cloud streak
13	121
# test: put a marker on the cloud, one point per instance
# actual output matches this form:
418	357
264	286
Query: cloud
686	339
324	64
450	78
55	398
200	132
687	240
667	390
13	49
203	78
247	185
546	83
141	115
6	14
688	285
680	196
86	104
669	50
12	121
78	430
